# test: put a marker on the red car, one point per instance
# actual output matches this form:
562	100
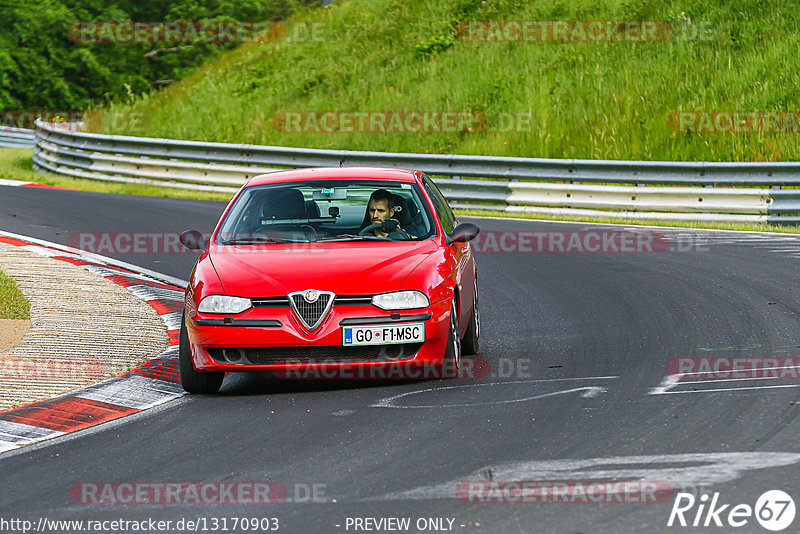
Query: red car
331	273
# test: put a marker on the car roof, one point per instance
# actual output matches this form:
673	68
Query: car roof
327	173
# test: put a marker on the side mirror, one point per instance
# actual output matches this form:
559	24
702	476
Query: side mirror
462	233
193	240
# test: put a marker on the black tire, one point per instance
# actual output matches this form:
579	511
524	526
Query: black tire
191	380
451	362
470	344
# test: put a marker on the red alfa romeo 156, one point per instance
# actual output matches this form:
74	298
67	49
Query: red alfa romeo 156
346	272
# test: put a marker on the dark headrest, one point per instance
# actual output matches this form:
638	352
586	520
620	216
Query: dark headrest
312	209
404	210
284	204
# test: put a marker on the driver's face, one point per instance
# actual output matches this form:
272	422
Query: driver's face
379	210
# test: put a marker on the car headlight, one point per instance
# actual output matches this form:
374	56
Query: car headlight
401	300
224	304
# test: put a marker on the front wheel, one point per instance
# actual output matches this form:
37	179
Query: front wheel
451	362
191	380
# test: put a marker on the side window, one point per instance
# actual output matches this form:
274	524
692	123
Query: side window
440	204
446	204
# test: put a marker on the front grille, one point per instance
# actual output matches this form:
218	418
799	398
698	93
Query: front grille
311	312
307	355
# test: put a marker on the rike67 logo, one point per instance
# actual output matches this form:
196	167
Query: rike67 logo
774	510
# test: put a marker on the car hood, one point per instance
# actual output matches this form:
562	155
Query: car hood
350	268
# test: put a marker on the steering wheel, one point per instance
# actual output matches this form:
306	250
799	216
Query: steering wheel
370	229
390	226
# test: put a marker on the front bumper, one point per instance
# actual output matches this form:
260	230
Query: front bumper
259	331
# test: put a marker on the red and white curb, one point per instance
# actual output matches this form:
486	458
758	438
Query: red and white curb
149	384
18	183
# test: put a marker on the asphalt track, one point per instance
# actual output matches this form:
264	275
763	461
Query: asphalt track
578	345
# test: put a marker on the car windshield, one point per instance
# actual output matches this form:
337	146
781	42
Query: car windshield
326	211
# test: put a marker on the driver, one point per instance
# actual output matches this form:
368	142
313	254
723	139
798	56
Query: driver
378	219
379	209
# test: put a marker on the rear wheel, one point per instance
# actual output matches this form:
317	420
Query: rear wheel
451	363
470	344
191	380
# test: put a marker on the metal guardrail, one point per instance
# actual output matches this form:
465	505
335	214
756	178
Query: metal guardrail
646	190
16	137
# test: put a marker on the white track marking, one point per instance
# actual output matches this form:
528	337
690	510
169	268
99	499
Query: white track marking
587	392
681	375
146	293
172	320
673	381
13	183
705	469
136	392
7	445
13	431
715	390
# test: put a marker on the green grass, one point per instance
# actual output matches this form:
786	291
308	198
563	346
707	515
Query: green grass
13	304
586	100
16	164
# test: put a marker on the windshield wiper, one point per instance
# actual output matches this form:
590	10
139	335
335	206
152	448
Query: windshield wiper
353	237
257	240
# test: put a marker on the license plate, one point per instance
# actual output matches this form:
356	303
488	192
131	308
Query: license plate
383	334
